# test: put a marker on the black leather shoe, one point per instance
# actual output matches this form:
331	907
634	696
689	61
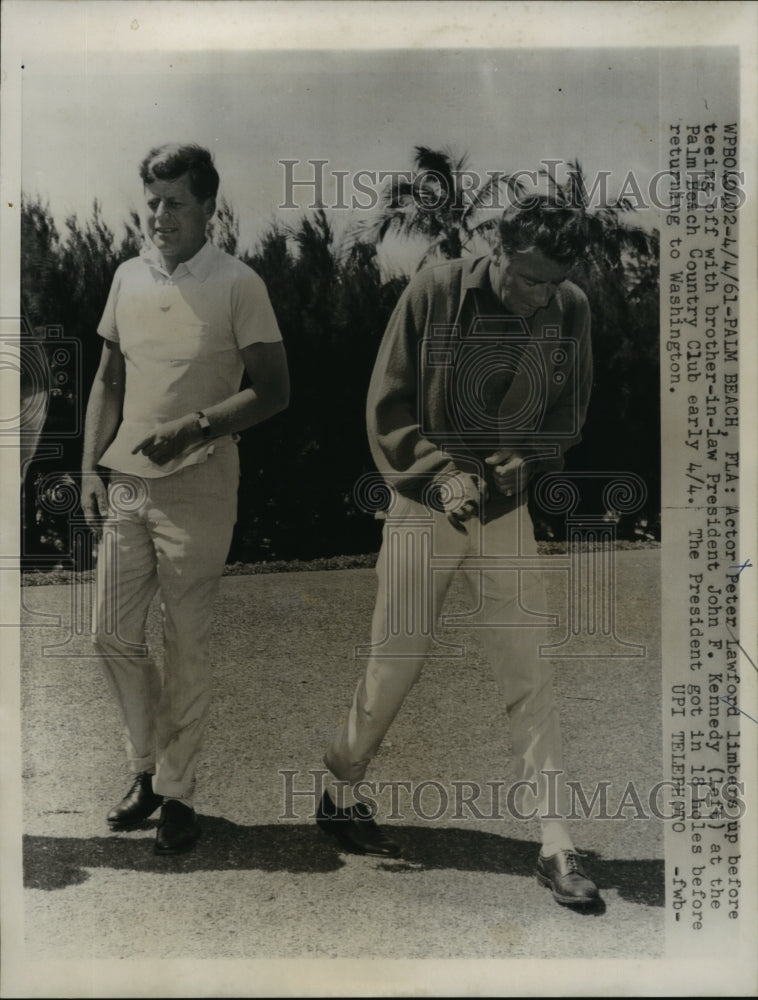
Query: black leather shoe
178	828
354	829
135	807
564	874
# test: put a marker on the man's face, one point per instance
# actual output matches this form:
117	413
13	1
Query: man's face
526	280
176	220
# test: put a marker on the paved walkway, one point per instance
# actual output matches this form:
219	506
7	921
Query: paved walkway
263	882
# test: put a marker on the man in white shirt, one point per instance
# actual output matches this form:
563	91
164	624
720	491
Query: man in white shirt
182	323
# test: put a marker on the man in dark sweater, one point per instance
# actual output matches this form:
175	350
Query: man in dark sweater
482	382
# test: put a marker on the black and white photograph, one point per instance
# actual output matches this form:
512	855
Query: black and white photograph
379	499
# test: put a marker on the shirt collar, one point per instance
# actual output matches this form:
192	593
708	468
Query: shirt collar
477	274
198	266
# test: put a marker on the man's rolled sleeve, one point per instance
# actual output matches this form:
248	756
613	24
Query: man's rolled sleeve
254	321
107	327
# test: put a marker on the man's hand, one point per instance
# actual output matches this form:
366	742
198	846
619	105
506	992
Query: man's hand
94	502
510	471
460	509
169	440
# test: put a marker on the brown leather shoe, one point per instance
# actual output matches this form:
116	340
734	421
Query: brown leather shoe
564	874
354	829
135	807
178	828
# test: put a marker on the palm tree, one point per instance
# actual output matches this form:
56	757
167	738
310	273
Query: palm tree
436	205
619	274
224	230
615	245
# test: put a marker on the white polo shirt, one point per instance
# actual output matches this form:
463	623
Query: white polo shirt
181	336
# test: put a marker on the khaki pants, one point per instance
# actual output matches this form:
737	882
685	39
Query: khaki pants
401	640
170	535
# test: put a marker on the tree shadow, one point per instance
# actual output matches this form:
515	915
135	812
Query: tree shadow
297	848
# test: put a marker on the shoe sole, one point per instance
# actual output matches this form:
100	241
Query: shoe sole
168	852
117	825
347	844
122	827
566	900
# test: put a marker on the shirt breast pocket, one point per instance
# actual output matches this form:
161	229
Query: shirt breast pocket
188	342
176	343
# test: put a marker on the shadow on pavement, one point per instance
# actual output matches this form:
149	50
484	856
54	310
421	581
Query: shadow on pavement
59	862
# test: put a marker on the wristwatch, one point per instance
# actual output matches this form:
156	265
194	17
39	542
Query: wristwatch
205	424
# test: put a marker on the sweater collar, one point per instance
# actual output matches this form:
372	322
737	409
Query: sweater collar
477	274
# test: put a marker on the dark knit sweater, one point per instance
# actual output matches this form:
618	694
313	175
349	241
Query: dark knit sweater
448	345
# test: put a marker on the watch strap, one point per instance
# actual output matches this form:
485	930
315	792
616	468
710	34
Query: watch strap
205	424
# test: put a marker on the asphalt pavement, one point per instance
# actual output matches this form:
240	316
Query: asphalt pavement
264	882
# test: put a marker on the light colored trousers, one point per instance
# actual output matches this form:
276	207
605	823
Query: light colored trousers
170	534
401	640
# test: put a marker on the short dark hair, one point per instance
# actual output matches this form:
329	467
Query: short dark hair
173	160
557	230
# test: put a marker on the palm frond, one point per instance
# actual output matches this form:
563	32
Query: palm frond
429	253
443	162
576	189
